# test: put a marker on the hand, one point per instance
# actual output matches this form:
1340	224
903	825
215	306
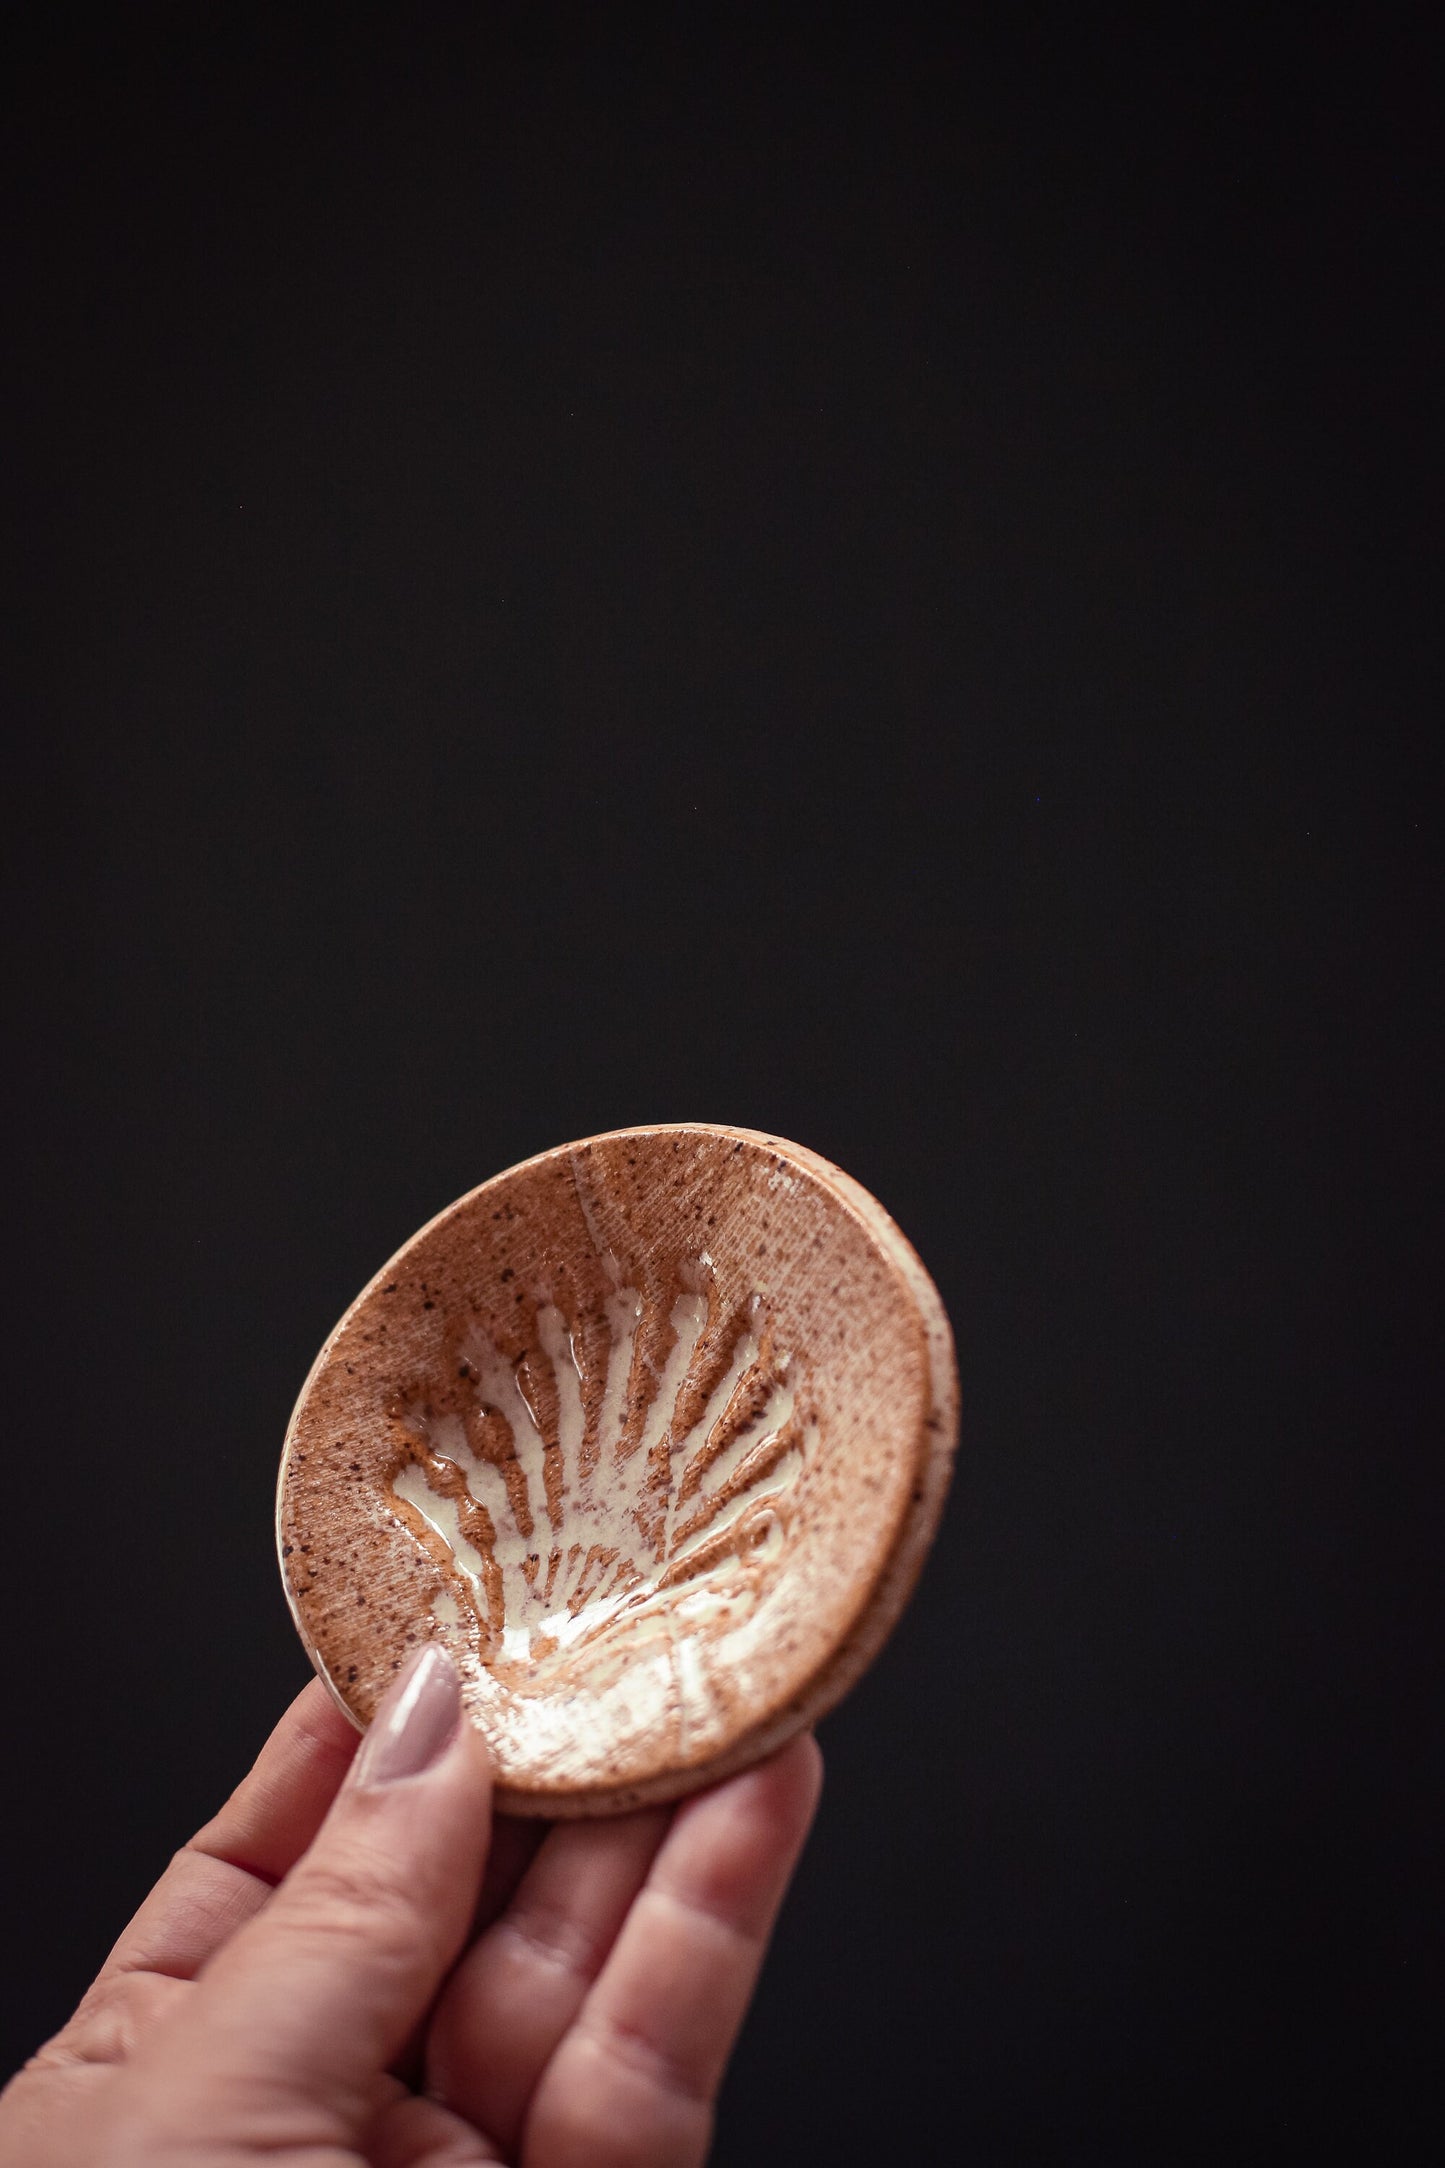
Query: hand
330	1935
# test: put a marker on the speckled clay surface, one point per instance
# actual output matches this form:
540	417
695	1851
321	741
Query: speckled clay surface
653	1432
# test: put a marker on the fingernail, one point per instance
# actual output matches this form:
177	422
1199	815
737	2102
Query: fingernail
416	1720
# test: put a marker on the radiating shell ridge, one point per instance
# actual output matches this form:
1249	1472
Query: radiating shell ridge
578	1515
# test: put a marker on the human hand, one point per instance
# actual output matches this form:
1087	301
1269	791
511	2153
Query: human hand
330	1936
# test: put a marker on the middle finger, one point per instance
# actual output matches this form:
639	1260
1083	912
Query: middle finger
518	1989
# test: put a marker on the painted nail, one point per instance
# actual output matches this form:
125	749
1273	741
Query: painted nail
416	1720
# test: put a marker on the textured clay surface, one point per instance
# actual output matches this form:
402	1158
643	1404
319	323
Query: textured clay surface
653	1432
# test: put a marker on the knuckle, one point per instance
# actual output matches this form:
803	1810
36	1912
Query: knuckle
547	1938
734	1941
631	2056
610	2108
114	2018
353	1899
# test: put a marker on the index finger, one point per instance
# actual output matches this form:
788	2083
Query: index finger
227	1871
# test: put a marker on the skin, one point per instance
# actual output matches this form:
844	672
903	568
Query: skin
345	1967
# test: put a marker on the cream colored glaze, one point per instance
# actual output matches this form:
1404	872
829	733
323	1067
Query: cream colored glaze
570	1573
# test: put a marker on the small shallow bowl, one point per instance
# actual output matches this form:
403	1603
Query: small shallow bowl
653	1433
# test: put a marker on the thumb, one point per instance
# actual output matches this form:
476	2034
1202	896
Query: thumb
319	1993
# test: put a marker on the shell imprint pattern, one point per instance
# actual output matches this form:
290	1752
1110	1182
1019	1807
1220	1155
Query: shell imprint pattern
570	1498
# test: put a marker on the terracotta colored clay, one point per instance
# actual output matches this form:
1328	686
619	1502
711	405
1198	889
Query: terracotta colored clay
653	1432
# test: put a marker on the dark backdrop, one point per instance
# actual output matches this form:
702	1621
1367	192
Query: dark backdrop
866	581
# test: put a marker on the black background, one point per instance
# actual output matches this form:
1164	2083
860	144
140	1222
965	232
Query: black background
862	579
